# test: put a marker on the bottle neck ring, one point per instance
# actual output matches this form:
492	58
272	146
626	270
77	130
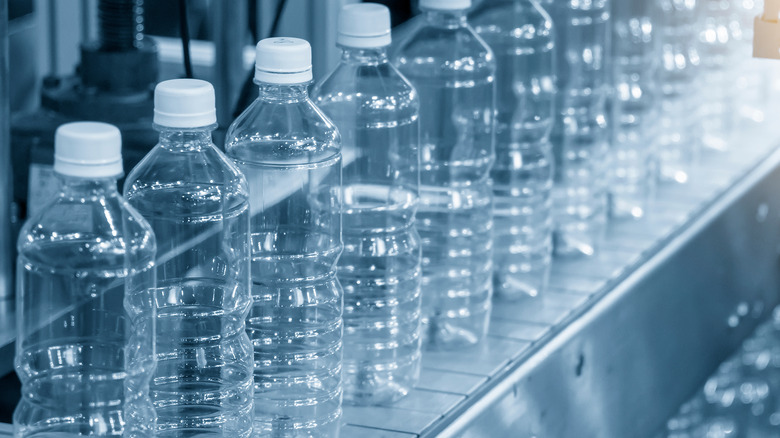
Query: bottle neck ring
283	92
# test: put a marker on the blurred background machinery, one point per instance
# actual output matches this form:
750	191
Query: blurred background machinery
100	59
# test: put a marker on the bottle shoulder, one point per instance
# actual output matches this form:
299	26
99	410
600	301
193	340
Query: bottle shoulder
511	17
514	28
366	90
282	132
74	231
443	51
206	166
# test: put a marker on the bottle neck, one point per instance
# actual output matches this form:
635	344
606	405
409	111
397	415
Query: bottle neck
446	19
364	56
88	187
186	139
283	92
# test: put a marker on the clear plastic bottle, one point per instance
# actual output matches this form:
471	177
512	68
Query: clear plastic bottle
376	111
633	115
580	135
85	345
291	155
717	48
197	203
520	32
679	125
453	71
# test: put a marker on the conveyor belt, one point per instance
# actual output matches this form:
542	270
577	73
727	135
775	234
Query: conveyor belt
460	392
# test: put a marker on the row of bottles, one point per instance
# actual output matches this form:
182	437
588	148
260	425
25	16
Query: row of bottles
246	293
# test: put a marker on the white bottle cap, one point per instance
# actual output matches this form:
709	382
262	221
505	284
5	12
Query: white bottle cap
283	61
184	103
88	150
364	25
445	5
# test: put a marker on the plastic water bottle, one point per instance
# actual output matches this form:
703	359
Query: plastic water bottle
580	136
376	111
85	345
197	203
520	33
291	155
717	48
634	67
679	126
453	71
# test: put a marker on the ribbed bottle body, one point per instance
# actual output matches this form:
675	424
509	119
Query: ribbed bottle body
634	104
376	111
679	131
290	154
453	71
85	344
580	134
520	32
718	33
197	202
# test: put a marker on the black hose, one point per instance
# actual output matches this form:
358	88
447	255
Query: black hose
184	30
277	18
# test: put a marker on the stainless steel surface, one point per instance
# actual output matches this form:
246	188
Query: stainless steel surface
6	189
230	38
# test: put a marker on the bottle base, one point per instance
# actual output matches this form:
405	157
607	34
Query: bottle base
673	175
286	427
203	421
577	239
628	207
372	383
383	392
520	286
445	334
